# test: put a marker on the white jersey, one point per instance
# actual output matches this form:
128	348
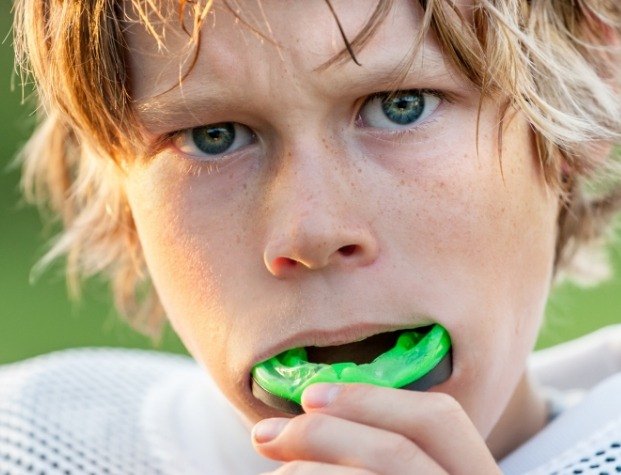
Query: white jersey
586	437
111	411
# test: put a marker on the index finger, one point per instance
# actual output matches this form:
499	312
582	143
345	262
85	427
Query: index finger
433	421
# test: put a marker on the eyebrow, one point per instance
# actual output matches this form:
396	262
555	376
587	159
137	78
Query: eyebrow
172	106
390	72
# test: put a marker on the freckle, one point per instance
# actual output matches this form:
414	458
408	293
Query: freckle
245	186
402	182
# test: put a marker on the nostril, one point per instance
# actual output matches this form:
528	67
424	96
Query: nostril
348	250
284	262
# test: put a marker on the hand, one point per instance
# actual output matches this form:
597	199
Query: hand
365	429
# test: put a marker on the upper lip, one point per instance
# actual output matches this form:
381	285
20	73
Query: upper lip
335	336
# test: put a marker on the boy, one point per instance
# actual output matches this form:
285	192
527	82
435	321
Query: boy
279	191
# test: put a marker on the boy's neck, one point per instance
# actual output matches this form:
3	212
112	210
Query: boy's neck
525	415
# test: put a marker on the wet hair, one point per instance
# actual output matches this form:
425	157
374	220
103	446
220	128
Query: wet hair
554	61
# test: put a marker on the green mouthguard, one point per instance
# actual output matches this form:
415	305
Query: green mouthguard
281	380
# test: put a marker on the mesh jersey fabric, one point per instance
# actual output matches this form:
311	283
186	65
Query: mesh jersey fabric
111	411
75	412
585	439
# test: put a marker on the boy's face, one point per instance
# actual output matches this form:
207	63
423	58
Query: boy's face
330	217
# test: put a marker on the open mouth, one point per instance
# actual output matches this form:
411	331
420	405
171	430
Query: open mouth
359	352
410	359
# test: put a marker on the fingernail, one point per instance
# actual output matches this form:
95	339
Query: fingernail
319	395
268	429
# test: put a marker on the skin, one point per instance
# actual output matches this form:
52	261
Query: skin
326	230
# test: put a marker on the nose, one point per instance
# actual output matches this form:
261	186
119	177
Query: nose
317	219
311	243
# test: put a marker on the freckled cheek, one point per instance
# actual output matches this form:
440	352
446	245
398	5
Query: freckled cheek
462	206
186	244
485	240
486	253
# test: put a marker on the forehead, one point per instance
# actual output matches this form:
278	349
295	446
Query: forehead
266	39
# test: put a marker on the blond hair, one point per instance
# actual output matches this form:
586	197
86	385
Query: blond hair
552	60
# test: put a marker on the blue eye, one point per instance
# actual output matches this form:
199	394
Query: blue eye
214	139
399	109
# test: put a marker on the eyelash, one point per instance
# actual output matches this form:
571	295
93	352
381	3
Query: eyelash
433	92
440	95
193	167
198	166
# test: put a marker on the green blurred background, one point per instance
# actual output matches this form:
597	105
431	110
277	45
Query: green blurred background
38	318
